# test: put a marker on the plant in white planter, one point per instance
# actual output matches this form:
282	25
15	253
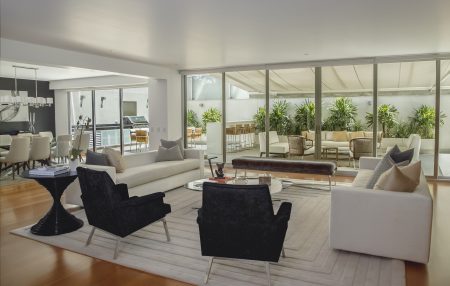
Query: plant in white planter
75	152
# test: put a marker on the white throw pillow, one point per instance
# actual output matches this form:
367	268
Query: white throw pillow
115	159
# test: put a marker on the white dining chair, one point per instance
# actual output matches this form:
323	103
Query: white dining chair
47	134
40	150
5	141
18	154
62	149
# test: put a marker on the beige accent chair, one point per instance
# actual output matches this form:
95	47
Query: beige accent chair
298	146
46	134
62	149
40	150
81	142
18	154
5	140
275	146
360	147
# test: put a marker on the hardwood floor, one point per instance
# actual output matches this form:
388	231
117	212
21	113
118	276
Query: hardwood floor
27	262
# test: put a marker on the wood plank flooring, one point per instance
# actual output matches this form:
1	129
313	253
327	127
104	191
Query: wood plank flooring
26	262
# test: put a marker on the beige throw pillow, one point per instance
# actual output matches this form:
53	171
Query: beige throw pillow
340	136
115	159
400	179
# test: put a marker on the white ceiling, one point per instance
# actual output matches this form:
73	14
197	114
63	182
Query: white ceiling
216	33
46	73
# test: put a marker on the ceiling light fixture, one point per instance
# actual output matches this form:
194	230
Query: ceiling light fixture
16	99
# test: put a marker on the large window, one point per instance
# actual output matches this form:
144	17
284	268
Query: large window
135	118
347	98
245	110
81	106
106	117
444	134
204	113
406	108
292	113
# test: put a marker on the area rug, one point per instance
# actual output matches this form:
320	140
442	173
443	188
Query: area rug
309	259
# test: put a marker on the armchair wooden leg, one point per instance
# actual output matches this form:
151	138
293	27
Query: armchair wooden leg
209	270
166	229
269	282
90	236
116	250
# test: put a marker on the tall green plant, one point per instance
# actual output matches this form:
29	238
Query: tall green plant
423	121
304	117
192	119
387	118
211	115
260	119
342	115
279	118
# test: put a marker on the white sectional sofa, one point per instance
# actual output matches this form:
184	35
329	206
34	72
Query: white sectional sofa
144	176
275	146
382	223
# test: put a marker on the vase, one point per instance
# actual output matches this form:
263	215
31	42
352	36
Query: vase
73	164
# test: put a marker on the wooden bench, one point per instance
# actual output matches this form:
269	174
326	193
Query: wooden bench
290	166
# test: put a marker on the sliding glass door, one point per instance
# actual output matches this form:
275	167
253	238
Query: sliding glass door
444	127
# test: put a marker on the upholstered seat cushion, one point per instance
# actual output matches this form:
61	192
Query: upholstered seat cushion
135	176
335	144
280	147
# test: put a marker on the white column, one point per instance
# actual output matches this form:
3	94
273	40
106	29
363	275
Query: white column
61	113
157	108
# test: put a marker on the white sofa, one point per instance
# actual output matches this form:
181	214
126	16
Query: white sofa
382	223
145	176
275	146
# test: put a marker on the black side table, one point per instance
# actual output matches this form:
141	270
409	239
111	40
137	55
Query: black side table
57	220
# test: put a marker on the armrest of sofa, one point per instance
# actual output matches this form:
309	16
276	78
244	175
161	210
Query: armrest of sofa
368	162
383	223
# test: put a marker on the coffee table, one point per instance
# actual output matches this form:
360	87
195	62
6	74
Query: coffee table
276	185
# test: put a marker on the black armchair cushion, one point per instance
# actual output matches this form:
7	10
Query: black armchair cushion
109	207
238	221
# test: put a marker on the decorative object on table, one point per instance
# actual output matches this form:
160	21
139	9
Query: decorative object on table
75	152
110	208
265	179
57	220
253	235
219	171
50	170
241	180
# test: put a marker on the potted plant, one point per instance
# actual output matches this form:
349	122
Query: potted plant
260	119
423	123
279	119
387	118
211	115
342	115
75	152
192	119
305	115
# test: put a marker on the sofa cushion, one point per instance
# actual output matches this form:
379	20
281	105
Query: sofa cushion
169	154
94	158
115	159
356	134
403	156
400	179
169	144
385	164
328	136
140	175
335	144
340	136
362	178
279	148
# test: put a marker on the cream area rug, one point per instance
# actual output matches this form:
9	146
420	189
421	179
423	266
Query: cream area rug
309	259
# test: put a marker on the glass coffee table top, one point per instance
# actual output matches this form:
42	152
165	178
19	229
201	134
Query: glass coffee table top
276	185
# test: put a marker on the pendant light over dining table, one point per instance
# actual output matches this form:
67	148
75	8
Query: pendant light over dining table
16	99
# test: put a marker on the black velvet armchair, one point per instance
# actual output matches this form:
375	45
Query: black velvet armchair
238	221
109	207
